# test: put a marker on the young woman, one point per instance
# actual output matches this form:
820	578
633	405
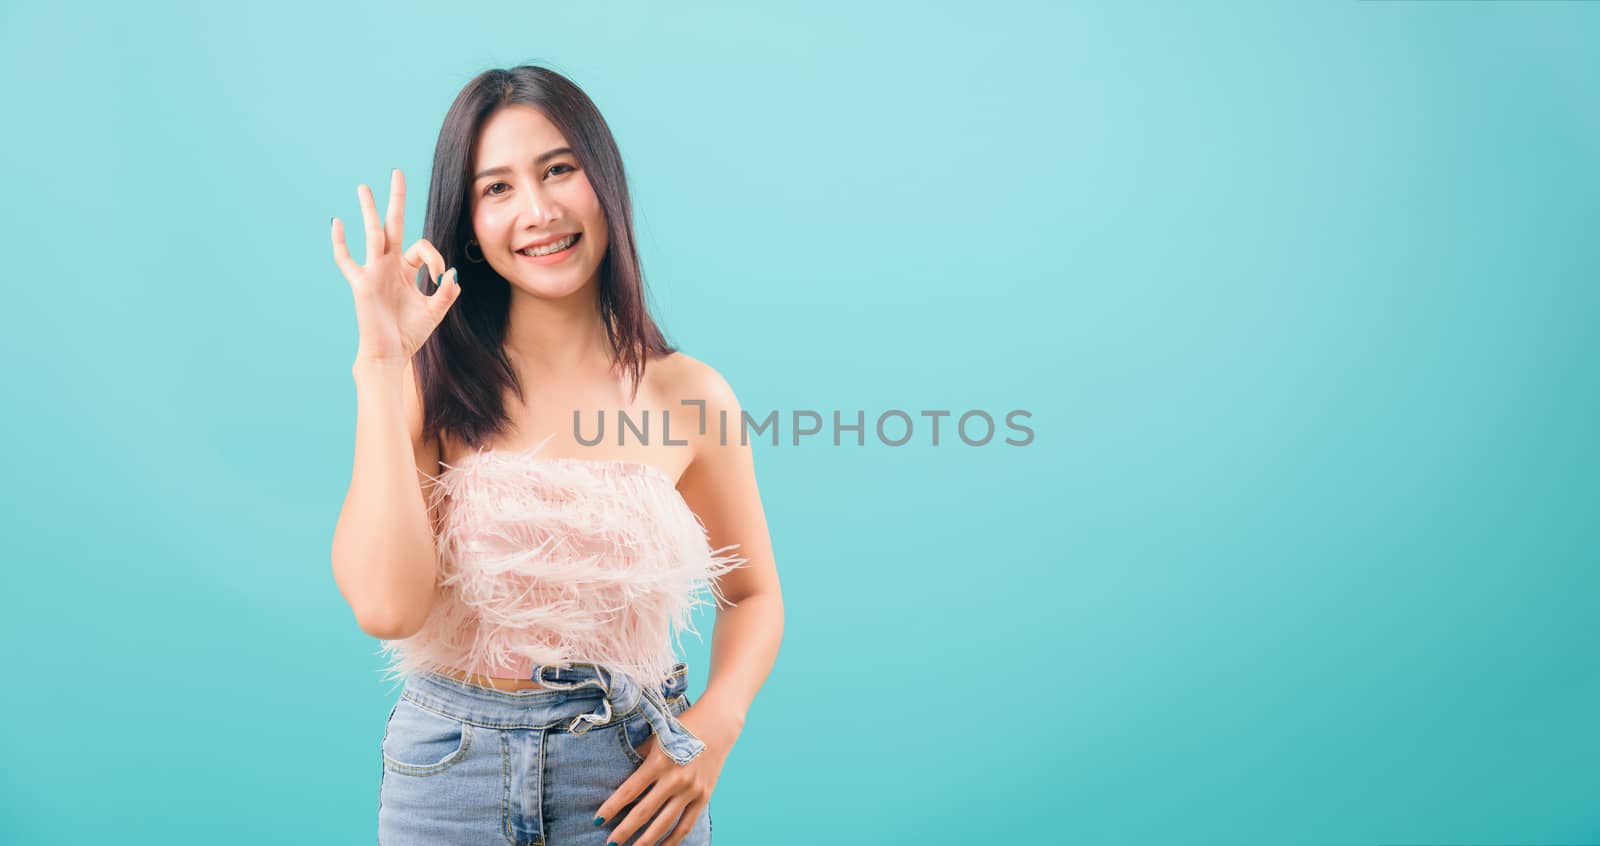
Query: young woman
527	581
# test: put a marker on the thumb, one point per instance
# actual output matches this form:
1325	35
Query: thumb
448	292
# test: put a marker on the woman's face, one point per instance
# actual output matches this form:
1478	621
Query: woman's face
528	190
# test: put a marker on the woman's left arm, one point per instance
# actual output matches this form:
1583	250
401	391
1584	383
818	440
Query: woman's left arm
720	487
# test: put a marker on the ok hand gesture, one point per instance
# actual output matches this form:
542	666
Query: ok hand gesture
394	317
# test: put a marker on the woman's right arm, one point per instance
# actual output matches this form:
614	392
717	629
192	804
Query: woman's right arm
383	546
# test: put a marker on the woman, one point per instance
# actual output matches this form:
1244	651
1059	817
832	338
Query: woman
527	578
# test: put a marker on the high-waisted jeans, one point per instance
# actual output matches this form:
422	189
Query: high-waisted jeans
464	763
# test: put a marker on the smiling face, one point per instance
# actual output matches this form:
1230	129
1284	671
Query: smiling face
528	192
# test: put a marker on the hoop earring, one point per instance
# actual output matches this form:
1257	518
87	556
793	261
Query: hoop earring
468	251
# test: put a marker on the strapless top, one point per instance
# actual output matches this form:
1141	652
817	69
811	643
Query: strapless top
548	560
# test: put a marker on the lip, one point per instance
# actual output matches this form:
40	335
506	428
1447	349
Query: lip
553	258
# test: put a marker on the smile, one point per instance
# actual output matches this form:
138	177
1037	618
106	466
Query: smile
552	248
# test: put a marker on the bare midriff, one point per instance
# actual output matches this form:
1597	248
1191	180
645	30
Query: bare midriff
492	681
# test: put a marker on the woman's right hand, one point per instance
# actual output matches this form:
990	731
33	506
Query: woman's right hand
392	314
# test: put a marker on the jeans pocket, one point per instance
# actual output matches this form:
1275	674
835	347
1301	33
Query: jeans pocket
422	742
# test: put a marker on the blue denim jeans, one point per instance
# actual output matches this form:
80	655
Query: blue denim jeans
464	763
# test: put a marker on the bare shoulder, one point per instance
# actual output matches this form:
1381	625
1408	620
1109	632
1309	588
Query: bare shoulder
696	394
686	379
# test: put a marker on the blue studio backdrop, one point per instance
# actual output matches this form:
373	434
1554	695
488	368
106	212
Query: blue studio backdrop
1299	300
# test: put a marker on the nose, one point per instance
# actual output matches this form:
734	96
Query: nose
540	210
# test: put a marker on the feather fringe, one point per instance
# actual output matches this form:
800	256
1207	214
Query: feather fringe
553	560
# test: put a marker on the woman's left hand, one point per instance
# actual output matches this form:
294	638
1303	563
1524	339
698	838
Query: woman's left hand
667	790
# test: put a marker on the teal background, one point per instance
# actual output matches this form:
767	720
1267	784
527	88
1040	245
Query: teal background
1301	298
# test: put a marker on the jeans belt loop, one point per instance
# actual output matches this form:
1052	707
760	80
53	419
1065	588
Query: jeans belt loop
582	722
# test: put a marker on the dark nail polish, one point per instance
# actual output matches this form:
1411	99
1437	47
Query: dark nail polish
599	820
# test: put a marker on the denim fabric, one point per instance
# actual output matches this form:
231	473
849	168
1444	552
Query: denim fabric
468	764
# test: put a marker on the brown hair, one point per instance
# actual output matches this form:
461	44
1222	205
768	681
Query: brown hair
462	368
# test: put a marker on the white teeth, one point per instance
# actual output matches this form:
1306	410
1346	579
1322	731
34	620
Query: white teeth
554	247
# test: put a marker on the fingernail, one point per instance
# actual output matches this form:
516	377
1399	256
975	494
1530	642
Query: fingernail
440	280
599	820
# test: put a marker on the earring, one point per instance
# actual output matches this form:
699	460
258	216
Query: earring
468	251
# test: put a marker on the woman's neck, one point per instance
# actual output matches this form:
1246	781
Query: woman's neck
562	337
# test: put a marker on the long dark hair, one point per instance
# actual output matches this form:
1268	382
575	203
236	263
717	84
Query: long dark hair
462	368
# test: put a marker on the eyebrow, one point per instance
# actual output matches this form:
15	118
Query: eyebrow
490	171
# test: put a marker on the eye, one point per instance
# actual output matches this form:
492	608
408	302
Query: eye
489	189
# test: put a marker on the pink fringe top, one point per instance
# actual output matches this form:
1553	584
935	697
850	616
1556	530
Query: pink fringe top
552	560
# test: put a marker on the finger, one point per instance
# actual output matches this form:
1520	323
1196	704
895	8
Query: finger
643	812
423	252
341	254
686	823
627	792
449	291
664	819
369	215
394	228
